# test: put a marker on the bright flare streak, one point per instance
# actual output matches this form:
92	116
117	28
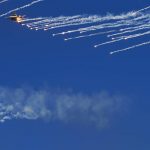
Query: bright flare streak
129	31
133	36
88	35
22	7
135	46
109	42
125	26
31	19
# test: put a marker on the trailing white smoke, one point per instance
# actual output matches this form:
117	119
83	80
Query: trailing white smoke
19	8
126	26
123	27
3	1
96	109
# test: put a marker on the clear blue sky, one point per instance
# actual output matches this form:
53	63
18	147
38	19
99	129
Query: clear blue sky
36	59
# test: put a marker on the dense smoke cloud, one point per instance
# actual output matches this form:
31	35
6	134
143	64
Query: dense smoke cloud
97	109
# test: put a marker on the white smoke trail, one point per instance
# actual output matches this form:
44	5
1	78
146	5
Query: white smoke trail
124	26
131	30
81	20
91	28
3	1
132	36
97	109
105	43
31	19
128	48
22	7
88	35
143	9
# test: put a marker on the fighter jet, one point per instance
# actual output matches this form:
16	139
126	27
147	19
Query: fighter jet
16	18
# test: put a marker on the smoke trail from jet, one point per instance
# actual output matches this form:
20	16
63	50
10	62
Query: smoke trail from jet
89	35
19	8
143	9
116	28
132	25
3	1
135	46
95	109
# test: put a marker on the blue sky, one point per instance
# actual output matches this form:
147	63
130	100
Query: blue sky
30	59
